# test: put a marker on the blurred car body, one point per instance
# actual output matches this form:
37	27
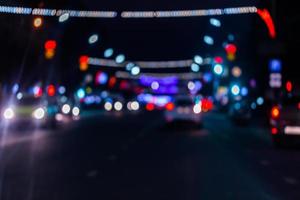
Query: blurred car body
240	112
29	111
285	120
183	109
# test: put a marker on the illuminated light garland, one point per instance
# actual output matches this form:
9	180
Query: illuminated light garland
146	64
189	13
57	12
180	76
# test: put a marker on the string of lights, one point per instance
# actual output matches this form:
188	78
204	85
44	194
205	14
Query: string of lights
180	76
127	14
146	64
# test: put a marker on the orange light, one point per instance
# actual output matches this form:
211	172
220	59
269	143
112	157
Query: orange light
49	54
275	112
37	22
170	106
274	131
150	107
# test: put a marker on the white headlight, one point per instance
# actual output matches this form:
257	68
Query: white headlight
197	108
118	106
75	111
8	113
39	113
108	106
135	105
66	109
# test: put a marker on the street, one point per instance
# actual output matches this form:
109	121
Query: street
139	157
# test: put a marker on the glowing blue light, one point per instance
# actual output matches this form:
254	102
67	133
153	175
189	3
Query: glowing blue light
101	78
207	77
231	37
237	106
64	17
108	53
15	88
253	106
260	101
218	69
61	90
244	91
135	70
93	38
215	22
120	58
80	93
235	90
129	66
208	40
195	67
198	60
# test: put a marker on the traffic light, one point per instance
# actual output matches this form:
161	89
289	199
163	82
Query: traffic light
83	63
51	90
50	47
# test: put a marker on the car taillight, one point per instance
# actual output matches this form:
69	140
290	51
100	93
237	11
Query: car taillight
170	106
275	112
274	131
150	107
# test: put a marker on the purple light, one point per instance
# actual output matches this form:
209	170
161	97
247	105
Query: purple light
148	80
166	90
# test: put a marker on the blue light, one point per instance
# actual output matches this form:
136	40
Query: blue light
101	78
198	60
129	66
15	88
218	69
231	37
235	90
93	38
253	106
208	40
120	58
275	65
260	101
215	22
195	67
108	53
135	70
80	93
244	91
207	77
237	106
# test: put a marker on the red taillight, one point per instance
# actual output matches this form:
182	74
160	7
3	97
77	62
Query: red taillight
150	107
207	105
275	112
274	131
170	106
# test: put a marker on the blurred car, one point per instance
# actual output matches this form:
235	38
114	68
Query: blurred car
285	121
183	109
28	111
240	112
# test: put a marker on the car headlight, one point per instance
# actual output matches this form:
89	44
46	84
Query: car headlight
39	113
76	111
8	113
66	109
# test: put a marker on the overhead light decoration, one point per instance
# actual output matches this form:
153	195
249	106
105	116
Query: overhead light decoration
108	53
208	40
37	22
215	22
93	38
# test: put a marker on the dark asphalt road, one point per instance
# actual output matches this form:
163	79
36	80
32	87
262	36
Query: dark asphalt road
137	157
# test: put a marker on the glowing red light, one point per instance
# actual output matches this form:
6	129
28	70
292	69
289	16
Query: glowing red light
289	86
299	105
207	105
266	17
275	112
150	107
218	60
50	45
83	59
112	81
51	90
170	106
274	131
230	49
